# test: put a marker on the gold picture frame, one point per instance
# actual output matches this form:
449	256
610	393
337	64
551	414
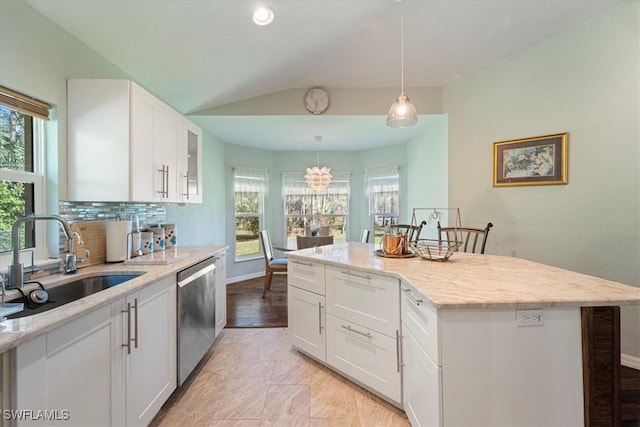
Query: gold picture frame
541	160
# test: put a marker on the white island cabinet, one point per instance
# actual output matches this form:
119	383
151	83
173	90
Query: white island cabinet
113	366
479	339
306	307
124	144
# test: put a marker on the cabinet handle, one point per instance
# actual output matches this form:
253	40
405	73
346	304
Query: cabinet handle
411	297
308	264
186	180
348	273
135	307
399	355
128	344
364	334
162	185
166	193
319	318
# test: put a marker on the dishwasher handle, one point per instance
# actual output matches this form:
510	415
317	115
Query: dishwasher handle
196	275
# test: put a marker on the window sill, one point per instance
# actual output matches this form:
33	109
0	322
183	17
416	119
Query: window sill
246	258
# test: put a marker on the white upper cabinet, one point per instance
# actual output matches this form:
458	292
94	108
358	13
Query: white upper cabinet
124	144
190	156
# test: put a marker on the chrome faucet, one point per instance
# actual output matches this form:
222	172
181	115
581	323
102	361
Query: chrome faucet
16	270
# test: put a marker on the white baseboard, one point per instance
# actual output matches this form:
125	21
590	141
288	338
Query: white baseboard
245	277
630	361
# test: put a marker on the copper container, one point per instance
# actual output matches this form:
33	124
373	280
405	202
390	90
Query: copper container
394	244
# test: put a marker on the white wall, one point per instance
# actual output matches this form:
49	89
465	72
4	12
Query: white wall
585	81
427	167
204	224
37	58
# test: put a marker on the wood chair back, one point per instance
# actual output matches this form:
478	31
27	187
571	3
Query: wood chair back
471	240
304	242
364	236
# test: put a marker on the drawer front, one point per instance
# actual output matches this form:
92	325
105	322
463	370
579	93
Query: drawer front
306	275
419	317
367	299
364	355
422	385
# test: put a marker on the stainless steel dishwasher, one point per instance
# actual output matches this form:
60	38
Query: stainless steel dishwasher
196	315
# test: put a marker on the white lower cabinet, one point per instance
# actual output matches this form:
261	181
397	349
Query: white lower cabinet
422	384
221	292
83	374
144	353
306	313
365	355
66	372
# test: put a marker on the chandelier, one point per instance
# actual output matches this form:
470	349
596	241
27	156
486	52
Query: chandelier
402	113
318	178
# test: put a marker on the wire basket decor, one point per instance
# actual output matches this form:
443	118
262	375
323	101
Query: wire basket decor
433	246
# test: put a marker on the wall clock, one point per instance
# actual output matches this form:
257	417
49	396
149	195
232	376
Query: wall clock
316	100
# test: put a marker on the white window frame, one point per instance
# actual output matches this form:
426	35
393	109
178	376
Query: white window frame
262	190
40	251
379	181
293	183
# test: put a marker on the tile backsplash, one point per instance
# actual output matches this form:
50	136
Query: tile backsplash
74	212
148	213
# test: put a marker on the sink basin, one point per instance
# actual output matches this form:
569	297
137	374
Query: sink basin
69	292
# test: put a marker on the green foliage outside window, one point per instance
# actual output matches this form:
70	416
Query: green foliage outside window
13	156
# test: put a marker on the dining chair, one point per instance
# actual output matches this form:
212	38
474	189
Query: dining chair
304	242
364	236
272	265
471	240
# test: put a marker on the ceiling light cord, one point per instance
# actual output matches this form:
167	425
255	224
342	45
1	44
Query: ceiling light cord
401	47
402	112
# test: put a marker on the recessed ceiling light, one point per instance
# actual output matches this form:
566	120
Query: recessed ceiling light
263	16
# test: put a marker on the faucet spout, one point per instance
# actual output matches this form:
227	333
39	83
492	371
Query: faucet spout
16	273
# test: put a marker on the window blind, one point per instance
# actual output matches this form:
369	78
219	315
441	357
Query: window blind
24	104
250	180
293	183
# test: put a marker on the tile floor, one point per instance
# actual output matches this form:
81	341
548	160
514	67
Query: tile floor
254	377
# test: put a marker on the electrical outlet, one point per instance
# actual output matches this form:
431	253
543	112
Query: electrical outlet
529	318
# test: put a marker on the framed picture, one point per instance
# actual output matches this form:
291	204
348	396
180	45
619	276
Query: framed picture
541	160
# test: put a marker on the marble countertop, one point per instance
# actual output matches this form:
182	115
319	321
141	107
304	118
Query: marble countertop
469	281
15	331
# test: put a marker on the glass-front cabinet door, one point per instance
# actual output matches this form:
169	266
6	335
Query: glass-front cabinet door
192	163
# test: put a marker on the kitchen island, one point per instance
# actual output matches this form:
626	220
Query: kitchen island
475	340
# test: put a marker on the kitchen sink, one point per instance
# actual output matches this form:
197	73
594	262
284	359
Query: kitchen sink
72	291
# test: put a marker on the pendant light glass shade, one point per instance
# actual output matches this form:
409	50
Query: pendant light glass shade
318	178
402	113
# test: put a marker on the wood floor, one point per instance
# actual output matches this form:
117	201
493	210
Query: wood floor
247	309
253	377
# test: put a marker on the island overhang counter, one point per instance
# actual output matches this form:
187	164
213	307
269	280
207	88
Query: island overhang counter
479	339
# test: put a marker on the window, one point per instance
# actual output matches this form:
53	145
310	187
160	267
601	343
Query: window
21	171
304	207
250	187
382	186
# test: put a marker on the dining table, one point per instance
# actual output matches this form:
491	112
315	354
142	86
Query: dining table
285	246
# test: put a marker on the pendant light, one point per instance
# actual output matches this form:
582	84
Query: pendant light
318	178
402	113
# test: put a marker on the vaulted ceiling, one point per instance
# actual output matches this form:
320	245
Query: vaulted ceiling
197	55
